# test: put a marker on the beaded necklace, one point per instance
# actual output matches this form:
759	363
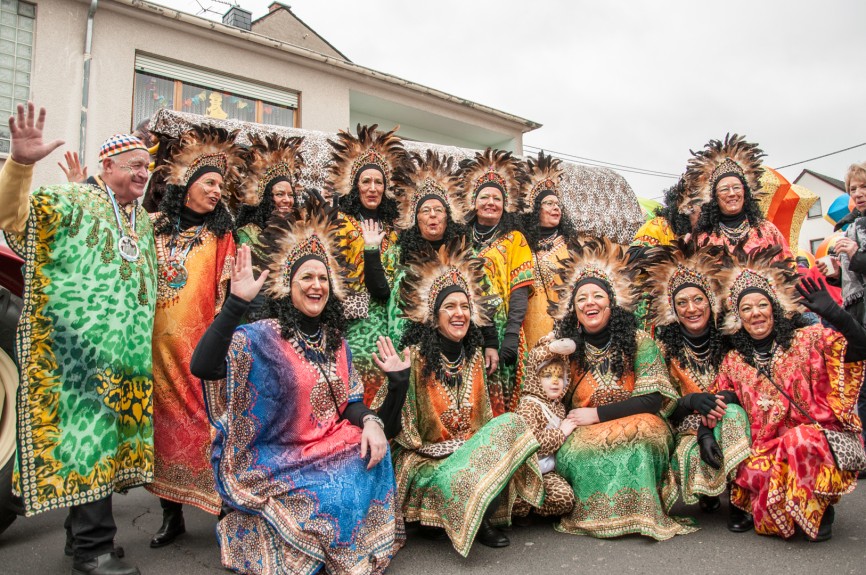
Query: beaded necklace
764	359
737	233
482	238
451	372
176	274
313	345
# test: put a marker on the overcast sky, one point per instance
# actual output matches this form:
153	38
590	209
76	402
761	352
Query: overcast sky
633	83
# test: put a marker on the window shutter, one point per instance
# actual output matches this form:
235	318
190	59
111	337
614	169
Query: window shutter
186	74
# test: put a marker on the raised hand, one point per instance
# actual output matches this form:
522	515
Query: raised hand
388	359
73	171
26	131
372	232
244	285
816	296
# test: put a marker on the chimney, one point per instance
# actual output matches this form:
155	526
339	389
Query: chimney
239	18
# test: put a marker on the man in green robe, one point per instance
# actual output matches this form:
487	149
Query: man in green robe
84	339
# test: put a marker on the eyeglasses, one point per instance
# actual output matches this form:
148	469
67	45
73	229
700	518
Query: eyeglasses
133	167
550	204
735	189
435	211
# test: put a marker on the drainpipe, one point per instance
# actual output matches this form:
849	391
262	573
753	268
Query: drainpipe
85	89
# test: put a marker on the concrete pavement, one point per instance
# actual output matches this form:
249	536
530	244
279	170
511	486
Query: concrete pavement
35	546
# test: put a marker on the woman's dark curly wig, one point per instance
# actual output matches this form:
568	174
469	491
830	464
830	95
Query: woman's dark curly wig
411	241
219	221
529	225
680	223
258	215
427	340
674	344
351	204
623	344
333	322
711	215
783	329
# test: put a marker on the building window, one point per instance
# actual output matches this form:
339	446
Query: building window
17	21
813	244
162	84
815	211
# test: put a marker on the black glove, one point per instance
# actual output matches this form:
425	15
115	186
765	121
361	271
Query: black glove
816	297
711	454
508	351
703	403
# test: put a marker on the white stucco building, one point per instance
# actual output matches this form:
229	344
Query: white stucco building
143	56
815	226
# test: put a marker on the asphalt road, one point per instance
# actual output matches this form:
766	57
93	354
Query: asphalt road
35	546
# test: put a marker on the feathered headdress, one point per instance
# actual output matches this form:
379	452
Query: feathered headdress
672	267
760	270
602	260
204	149
495	168
428	273
352	155
271	157
308	231
432	177
734	156
543	174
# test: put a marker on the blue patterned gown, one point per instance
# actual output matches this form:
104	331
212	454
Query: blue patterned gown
290	467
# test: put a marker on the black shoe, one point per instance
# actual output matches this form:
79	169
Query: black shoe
739	521
490	536
825	530
67	549
172	526
709	504
432	533
524	521
105	564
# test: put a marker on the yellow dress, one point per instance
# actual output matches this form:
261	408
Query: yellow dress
508	266
538	322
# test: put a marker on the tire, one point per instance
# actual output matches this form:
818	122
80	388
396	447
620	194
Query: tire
10	309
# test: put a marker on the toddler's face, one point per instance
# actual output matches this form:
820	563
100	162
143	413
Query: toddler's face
552	377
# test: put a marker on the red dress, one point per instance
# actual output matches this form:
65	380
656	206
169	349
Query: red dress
790	477
182	433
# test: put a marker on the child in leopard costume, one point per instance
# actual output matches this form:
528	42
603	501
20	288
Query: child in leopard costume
542	408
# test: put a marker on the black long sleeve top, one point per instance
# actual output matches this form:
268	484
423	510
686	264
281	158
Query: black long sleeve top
209	358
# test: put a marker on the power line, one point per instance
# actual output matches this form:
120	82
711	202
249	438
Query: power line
824	156
602	163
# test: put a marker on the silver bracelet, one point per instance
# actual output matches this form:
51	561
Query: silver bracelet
372	417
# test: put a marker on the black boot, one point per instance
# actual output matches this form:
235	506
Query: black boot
432	533
105	564
491	536
739	521
825	530
709	504
172	524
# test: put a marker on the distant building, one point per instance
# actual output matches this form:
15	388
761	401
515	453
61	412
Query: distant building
274	70
816	228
